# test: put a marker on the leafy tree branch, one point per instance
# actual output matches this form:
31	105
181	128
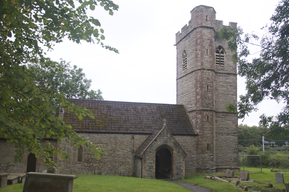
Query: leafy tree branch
29	104
267	76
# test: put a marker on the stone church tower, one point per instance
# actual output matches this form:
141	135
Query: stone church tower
206	82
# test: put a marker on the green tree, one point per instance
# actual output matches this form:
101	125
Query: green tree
267	76
66	80
27	111
251	135
253	161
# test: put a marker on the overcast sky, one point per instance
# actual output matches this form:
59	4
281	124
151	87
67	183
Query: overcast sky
144	33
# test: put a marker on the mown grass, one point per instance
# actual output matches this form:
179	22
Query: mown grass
119	183
212	185
92	183
13	188
262	180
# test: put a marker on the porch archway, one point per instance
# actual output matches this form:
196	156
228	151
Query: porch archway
163	163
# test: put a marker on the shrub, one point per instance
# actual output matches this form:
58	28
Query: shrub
265	158
279	160
253	161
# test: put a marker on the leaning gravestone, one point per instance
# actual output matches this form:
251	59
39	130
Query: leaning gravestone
287	186
229	173
244	176
47	182
3	179
279	178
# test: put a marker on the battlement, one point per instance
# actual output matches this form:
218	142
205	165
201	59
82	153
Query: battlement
201	16
219	25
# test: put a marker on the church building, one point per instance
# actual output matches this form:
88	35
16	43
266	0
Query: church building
167	141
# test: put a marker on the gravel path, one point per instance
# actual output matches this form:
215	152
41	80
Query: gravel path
190	186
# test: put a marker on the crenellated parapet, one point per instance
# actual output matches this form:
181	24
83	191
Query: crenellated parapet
201	16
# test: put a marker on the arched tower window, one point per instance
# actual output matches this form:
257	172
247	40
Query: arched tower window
185	61
220	56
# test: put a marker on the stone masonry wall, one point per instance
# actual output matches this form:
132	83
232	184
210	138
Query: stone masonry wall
188	144
137	168
118	160
7	153
226	142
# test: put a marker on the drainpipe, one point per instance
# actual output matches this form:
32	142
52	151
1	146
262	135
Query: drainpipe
141	168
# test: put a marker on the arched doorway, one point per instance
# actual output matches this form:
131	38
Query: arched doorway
163	164
31	163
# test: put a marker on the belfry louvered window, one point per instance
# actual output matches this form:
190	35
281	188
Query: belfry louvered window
185	60
220	56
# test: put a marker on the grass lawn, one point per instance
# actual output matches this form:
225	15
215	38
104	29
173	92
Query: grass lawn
91	183
212	185
262	180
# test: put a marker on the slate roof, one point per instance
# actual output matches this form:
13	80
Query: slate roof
129	117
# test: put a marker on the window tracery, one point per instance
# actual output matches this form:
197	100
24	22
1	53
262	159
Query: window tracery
220	56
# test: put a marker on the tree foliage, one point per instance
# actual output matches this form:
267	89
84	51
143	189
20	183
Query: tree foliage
267	76
251	135
27	111
253	161
65	79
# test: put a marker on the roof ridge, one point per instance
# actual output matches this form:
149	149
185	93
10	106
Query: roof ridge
91	100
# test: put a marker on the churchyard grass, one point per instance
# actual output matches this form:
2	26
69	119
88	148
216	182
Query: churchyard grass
13	188
213	186
91	183
120	183
262	180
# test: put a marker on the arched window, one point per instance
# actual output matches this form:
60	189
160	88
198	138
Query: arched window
185	63
31	163
79	154
220	56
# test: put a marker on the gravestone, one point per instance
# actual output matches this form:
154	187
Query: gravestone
279	178
244	176
47	182
287	186
3	179
21	176
229	173
12	179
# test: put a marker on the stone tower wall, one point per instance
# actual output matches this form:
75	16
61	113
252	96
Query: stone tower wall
205	88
